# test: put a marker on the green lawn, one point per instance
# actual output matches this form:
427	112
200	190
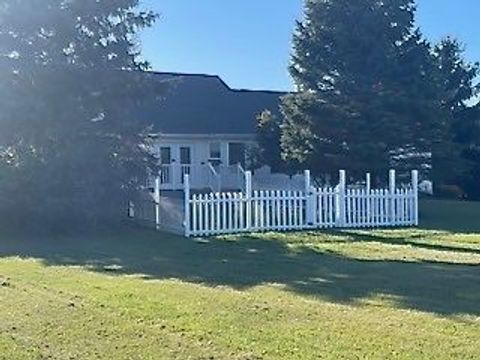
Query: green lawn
138	294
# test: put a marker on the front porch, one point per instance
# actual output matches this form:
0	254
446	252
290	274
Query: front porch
202	177
214	162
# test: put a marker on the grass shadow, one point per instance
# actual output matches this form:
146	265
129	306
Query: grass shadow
247	261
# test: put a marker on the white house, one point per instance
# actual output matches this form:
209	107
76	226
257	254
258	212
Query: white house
203	128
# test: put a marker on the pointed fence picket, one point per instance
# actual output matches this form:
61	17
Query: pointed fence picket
315	208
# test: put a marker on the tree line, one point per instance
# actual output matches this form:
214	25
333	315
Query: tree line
371	93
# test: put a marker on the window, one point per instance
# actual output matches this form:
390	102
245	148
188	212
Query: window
165	155
185	156
215	157
237	152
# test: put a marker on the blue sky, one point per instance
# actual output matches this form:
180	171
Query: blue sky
248	42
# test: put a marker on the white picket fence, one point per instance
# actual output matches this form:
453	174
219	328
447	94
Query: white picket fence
313	208
225	213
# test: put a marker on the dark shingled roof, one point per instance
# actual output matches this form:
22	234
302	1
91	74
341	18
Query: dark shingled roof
204	104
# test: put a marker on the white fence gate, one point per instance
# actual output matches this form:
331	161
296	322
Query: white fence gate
313	208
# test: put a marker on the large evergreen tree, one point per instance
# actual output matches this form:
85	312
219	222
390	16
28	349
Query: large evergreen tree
367	93
461	89
68	150
456	80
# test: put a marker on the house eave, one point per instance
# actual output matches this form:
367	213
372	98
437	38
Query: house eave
245	137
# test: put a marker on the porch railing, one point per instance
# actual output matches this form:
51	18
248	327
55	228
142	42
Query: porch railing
204	176
185	170
213	178
241	177
165	174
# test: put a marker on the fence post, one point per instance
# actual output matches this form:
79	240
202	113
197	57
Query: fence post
310	199
415	194
186	184
131	210
340	203
368	185
157	202
248	197
391	191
